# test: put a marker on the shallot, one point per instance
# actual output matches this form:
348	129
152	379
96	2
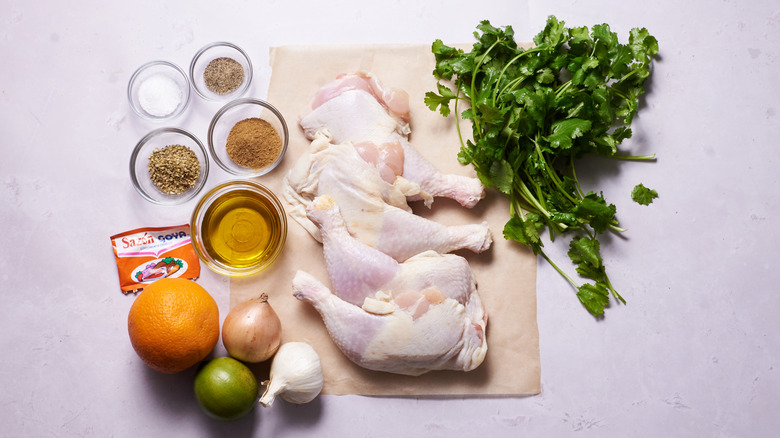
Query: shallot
252	331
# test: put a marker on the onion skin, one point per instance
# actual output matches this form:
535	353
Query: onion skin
252	331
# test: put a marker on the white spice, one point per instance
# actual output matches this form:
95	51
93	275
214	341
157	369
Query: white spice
159	95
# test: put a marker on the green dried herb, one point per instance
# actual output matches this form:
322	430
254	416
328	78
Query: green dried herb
174	169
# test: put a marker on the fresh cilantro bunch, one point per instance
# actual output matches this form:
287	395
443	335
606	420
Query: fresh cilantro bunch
534	112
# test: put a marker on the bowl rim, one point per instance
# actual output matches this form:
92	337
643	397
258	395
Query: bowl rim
227	107
178	199
208	199
247	75
185	90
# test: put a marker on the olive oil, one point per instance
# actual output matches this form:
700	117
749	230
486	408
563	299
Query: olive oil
242	229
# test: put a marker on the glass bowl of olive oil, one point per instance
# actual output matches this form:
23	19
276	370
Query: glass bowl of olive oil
239	228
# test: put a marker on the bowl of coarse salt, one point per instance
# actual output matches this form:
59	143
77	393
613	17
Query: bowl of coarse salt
159	90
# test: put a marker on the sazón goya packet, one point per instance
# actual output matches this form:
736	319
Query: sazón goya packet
145	255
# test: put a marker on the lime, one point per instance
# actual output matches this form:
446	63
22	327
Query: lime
226	389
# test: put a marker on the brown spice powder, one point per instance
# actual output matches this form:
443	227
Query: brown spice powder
253	143
223	75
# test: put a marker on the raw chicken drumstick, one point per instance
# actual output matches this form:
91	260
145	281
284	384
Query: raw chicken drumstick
375	211
421	315
357	108
357	271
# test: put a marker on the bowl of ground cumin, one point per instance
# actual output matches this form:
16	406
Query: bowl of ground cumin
248	137
221	71
169	166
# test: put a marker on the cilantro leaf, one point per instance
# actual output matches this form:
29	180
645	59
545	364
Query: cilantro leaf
594	297
554	33
642	195
593	208
447	59
441	100
584	252
643	45
565	131
501	176
524	231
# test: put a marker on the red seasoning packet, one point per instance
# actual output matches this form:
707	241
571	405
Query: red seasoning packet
145	255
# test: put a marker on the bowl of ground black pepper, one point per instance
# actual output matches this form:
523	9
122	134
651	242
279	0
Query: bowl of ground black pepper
248	137
221	71
169	166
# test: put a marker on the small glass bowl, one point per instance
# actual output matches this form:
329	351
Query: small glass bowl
139	165
211	52
227	117
239	228
148	86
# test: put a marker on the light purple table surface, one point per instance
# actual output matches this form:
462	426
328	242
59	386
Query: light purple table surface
692	354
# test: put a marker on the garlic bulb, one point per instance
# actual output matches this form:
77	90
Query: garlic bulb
296	374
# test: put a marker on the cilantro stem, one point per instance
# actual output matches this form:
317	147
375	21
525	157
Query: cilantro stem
507	88
537	188
457	115
629	74
553	174
574	176
474	72
515	81
573	283
612	289
563	88
529	197
535	203
634	157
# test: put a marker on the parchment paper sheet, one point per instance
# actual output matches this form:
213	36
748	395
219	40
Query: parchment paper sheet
506	273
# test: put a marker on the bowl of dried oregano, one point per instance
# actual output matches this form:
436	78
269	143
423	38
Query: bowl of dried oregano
248	137
169	166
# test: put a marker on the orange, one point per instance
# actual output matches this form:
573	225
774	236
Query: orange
173	324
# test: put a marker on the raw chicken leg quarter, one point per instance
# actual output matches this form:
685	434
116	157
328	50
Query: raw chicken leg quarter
409	318
374	114
376	211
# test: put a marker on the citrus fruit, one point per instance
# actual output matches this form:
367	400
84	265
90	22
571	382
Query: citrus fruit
173	324
226	389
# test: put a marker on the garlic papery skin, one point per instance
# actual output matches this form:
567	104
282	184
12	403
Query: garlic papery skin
296	375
